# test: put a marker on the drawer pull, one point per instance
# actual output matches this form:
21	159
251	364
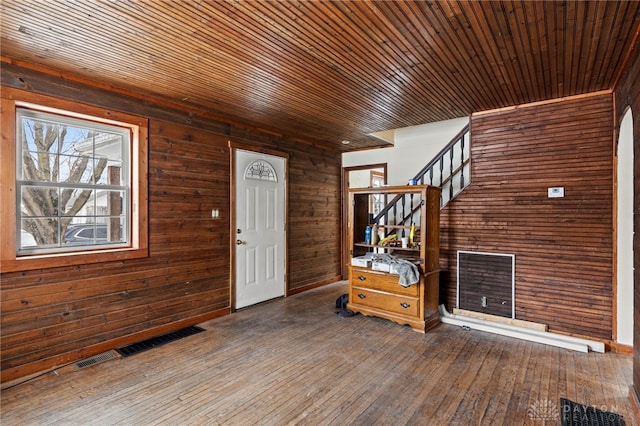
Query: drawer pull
362	278
362	296
405	305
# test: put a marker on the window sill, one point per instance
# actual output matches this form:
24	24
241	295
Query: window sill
57	260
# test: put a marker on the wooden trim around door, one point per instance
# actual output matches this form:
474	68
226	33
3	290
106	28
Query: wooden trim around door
345	209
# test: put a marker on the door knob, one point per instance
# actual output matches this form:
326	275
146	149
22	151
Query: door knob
239	242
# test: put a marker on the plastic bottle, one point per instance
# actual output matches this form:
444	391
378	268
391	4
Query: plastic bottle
374	235
367	235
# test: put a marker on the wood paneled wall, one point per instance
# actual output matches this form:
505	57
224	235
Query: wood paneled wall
562	246
627	95
58	315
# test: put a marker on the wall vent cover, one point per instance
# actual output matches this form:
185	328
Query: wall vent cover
486	283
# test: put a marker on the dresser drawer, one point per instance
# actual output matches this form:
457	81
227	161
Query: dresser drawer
380	281
388	302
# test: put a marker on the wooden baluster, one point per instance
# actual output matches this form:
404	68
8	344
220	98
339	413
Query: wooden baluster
451	173
461	162
403	214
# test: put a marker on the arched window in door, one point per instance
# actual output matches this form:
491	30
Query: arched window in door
261	170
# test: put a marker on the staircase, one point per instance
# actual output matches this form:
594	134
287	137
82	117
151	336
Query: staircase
450	169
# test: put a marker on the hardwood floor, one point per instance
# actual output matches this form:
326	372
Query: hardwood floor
294	361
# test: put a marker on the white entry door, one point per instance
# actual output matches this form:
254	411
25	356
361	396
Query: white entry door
260	227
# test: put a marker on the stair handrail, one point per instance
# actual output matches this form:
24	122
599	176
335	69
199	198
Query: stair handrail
437	159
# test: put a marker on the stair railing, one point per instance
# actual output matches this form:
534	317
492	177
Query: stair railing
450	169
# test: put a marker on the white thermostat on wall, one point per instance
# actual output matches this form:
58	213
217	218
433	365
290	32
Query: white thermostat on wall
556	192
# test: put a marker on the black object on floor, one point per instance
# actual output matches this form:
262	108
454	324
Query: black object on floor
341	304
574	414
153	342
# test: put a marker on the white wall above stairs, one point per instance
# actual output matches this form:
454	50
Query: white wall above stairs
414	147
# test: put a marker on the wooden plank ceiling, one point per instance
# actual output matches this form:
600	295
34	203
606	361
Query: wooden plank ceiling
323	72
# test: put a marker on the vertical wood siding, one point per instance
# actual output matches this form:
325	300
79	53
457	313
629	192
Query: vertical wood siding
563	246
627	94
51	312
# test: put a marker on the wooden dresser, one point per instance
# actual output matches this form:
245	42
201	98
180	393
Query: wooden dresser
378	292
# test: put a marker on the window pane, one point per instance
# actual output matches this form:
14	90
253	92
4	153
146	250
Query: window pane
38	135
75	169
101	232
99	169
109	146
82	234
38	166
109	203
39	201
76	202
76	141
113	174
116	231
26	240
43	230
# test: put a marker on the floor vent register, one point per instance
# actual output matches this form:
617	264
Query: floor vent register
153	342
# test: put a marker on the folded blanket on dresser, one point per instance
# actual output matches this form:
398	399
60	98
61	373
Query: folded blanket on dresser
407	271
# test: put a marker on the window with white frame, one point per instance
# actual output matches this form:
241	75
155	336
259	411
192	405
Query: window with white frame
73	178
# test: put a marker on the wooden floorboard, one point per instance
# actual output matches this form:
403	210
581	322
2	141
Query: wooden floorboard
294	361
